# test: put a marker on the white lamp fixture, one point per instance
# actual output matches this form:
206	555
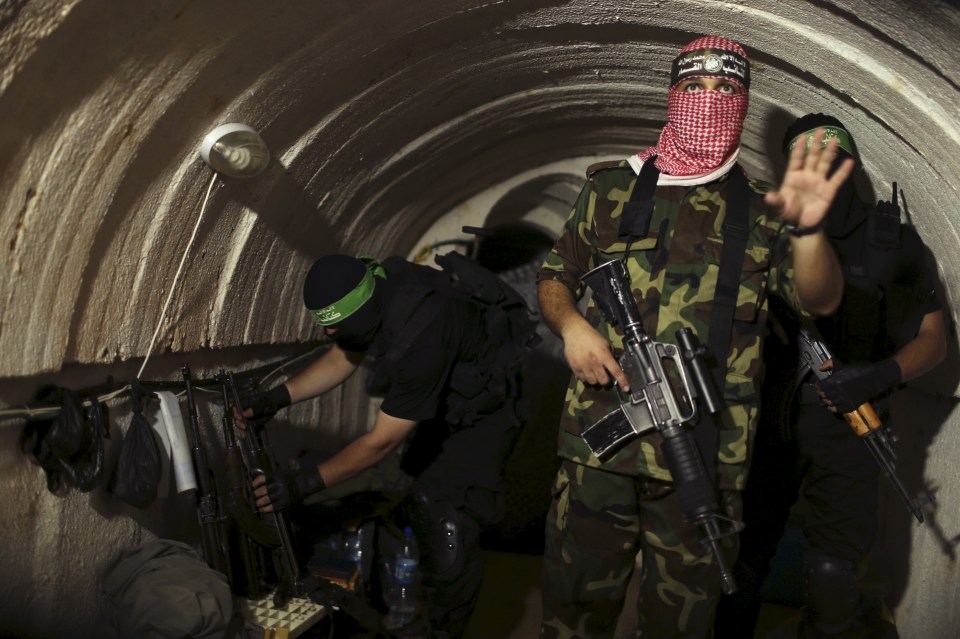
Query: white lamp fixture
235	150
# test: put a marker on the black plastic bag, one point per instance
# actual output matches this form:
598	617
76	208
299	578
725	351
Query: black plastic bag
85	468
69	447
137	475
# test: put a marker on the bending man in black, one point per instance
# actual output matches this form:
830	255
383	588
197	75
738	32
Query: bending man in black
889	329
446	358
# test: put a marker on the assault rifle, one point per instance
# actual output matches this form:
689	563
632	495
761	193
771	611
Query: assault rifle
238	503
258	463
250	533
864	420
212	533
654	403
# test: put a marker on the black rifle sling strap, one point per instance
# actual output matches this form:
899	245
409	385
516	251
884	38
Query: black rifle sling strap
635	224
638	211
735	231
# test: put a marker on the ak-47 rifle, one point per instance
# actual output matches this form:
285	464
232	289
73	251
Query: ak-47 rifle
214	545
864	421
653	403
259	462
238	502
251	534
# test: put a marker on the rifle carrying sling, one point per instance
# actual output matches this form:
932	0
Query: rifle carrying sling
735	231
638	210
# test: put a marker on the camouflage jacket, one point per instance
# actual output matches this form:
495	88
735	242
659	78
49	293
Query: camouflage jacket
673	272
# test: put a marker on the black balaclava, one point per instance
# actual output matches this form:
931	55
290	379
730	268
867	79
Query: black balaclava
847	211
334	277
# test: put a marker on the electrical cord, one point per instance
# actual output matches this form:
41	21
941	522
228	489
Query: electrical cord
173	285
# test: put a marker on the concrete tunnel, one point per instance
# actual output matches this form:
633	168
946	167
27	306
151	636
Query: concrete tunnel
391	125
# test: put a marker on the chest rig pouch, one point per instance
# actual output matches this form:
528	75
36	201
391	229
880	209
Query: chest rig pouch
491	381
884	285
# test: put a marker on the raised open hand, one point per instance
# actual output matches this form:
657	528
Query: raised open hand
806	192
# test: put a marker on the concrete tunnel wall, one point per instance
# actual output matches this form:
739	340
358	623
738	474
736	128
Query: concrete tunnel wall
383	117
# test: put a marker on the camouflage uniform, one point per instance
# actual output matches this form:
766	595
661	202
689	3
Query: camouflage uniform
603	512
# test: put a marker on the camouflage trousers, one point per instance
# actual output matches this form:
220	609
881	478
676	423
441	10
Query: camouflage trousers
597	524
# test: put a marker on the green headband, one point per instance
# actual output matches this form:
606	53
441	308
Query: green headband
843	139
352	301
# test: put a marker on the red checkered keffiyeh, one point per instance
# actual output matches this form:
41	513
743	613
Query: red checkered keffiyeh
703	128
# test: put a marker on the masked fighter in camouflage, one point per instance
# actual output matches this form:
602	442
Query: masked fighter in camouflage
889	329
605	511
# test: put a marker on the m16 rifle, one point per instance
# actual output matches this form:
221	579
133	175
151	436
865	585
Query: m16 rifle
864	421
654	403
216	551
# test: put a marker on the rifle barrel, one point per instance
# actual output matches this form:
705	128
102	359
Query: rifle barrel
888	470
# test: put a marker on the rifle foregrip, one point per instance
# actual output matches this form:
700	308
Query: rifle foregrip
694	488
863	420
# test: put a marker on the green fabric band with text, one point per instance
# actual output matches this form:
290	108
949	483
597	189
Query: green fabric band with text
843	139
352	301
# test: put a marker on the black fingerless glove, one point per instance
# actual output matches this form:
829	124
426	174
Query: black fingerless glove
850	386
291	488
265	405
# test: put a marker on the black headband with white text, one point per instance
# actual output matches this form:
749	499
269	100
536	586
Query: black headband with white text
713	63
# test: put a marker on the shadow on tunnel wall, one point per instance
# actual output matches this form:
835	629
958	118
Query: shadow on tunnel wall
284	206
918	413
515	251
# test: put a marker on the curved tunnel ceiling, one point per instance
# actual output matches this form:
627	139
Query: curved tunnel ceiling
381	117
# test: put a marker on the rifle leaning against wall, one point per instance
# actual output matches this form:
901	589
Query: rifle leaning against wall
216	550
864	421
654	403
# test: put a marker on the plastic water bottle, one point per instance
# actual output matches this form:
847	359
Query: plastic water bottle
405	600
353	547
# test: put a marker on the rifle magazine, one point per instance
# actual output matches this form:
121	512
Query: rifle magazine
614	429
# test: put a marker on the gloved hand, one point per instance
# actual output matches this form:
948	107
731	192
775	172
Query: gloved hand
265	405
850	386
283	490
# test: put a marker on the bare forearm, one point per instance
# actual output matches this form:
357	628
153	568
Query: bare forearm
367	450
586	351
329	370
817	274
558	306
926	350
357	456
